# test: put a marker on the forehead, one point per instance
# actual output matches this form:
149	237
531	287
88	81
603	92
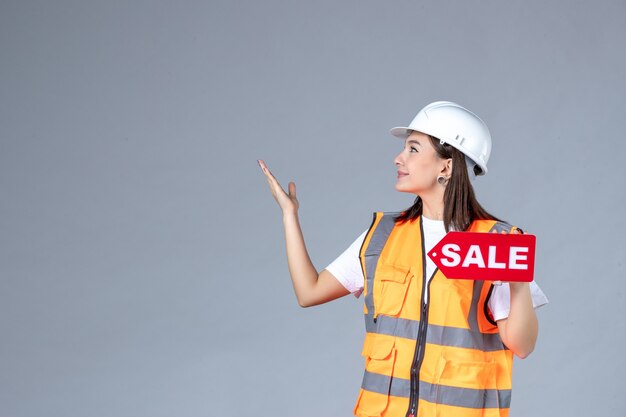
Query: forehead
418	136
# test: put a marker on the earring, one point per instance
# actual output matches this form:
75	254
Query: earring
441	180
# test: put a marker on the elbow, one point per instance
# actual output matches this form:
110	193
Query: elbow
308	303
521	343
304	303
523	354
520	349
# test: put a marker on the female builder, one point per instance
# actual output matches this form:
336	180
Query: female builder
433	346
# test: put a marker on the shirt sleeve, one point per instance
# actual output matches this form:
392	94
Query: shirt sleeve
347	267
500	300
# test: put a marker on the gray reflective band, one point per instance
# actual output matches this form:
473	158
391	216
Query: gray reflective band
465	338
392	326
386	385
500	227
370	267
437	335
472	318
372	253
439	394
382	232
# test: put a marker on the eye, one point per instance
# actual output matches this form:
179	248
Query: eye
413	149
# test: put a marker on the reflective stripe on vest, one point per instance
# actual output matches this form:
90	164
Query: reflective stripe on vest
465	370
440	335
458	397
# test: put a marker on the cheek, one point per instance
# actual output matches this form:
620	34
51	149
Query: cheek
422	166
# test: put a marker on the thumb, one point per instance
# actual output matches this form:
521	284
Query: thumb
292	188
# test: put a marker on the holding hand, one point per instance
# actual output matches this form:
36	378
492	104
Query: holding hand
516	230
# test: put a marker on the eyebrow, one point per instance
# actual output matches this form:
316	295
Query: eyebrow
414	141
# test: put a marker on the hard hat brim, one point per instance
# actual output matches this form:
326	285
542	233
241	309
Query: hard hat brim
401	132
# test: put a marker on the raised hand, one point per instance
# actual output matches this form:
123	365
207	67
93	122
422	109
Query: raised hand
287	202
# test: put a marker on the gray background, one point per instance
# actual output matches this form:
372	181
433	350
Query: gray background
142	262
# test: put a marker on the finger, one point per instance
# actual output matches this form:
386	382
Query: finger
275	185
268	174
264	168
292	189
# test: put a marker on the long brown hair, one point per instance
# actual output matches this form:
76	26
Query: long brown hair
460	204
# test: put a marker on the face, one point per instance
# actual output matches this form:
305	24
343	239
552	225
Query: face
419	166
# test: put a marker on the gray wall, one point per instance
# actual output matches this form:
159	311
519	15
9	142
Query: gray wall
142	260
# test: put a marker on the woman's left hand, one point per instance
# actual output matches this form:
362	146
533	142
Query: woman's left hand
515	230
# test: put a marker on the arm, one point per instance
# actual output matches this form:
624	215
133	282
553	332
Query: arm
310	287
519	330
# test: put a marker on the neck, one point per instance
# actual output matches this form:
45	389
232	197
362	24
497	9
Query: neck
432	205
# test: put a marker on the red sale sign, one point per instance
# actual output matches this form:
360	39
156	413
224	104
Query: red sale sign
486	256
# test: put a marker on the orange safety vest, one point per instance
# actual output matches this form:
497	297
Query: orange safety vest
443	358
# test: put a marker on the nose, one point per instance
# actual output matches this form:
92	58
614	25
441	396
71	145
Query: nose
399	160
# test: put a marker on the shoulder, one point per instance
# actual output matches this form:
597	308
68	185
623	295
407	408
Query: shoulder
494	226
387	213
386	219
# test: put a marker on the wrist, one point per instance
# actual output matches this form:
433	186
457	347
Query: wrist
289	215
518	286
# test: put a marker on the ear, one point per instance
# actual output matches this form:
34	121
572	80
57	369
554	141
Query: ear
446	169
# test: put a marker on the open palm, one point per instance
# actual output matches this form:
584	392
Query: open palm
287	202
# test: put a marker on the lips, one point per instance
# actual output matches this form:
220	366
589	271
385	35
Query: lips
402	174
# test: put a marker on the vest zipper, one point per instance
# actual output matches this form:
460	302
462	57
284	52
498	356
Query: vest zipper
421	334
419	355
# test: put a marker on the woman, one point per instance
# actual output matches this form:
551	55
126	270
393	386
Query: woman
433	346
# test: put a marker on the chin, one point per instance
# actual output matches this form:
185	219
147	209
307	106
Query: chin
405	189
402	189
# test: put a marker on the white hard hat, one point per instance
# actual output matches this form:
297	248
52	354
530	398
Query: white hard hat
453	124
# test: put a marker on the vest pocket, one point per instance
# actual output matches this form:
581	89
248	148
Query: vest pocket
381	356
393	284
465	384
379	370
369	404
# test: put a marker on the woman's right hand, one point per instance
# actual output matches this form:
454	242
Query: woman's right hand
287	202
